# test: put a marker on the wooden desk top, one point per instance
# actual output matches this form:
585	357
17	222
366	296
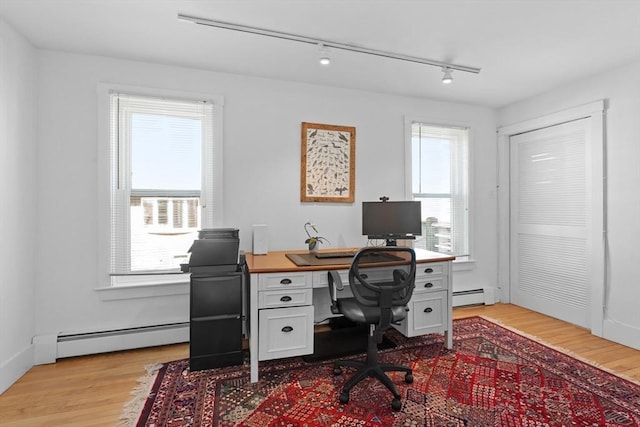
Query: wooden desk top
277	261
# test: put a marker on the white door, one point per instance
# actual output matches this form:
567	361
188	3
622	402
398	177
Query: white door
550	221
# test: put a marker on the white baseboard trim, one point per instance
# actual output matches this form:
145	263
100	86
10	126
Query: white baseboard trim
623	334
45	349
123	339
12	369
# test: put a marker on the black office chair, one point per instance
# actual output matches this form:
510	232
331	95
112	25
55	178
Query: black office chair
377	303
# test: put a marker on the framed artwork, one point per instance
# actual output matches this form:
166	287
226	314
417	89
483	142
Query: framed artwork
328	163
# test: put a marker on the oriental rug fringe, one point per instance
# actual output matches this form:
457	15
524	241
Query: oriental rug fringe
494	376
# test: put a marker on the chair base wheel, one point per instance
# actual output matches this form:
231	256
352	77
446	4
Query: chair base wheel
408	378
396	404
344	398
337	371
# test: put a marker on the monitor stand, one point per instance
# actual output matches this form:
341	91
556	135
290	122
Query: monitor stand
394	242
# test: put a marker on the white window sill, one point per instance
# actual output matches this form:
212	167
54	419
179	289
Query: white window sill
131	287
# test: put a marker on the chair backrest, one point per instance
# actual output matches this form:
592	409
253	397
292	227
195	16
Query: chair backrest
386	293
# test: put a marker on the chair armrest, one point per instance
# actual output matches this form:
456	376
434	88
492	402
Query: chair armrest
335	285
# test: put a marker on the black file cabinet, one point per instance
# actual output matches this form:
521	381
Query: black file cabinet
216	321
217	299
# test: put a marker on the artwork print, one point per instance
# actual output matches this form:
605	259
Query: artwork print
328	163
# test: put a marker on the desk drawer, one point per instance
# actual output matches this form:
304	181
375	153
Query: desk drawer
431	269
373	274
428	284
285	332
271	281
285	298
428	313
321	279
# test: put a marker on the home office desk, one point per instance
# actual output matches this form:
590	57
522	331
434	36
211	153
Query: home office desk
286	300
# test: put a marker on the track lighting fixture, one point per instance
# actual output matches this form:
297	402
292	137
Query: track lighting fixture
447	78
447	68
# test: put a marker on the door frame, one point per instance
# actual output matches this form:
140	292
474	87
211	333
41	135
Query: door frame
593	111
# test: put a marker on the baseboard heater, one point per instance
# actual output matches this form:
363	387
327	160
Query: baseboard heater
121	339
470	297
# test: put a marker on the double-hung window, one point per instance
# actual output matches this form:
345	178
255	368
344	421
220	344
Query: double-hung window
440	181
163	185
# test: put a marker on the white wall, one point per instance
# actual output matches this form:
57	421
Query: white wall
621	90
262	172
18	173
262	120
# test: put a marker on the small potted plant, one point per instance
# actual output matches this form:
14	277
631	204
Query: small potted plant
315	240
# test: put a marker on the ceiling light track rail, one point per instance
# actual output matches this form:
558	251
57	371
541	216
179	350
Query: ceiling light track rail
325	43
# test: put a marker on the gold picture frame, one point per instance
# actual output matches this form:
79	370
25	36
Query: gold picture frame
328	163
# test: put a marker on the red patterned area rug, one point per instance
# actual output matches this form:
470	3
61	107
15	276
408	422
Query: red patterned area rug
494	376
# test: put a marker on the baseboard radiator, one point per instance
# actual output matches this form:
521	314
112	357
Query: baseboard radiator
121	339
469	297
69	345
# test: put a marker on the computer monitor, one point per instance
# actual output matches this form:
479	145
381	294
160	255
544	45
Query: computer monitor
391	221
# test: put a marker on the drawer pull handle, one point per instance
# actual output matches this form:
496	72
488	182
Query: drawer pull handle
285	281
428	285
429	270
287	329
428	310
285	298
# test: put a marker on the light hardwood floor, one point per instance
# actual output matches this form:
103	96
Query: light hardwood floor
92	390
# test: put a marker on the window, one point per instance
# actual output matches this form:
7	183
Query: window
164	182
440	180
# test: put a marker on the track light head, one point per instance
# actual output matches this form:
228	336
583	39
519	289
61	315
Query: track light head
325	59
447	78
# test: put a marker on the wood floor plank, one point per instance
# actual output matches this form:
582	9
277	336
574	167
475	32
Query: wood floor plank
92	390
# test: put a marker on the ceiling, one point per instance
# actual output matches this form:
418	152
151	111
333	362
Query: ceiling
523	47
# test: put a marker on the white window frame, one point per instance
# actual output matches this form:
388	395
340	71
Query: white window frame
212	191
461	262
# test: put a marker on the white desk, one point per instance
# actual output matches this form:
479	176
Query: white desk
282	306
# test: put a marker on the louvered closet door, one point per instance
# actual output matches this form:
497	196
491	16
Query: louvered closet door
550	221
